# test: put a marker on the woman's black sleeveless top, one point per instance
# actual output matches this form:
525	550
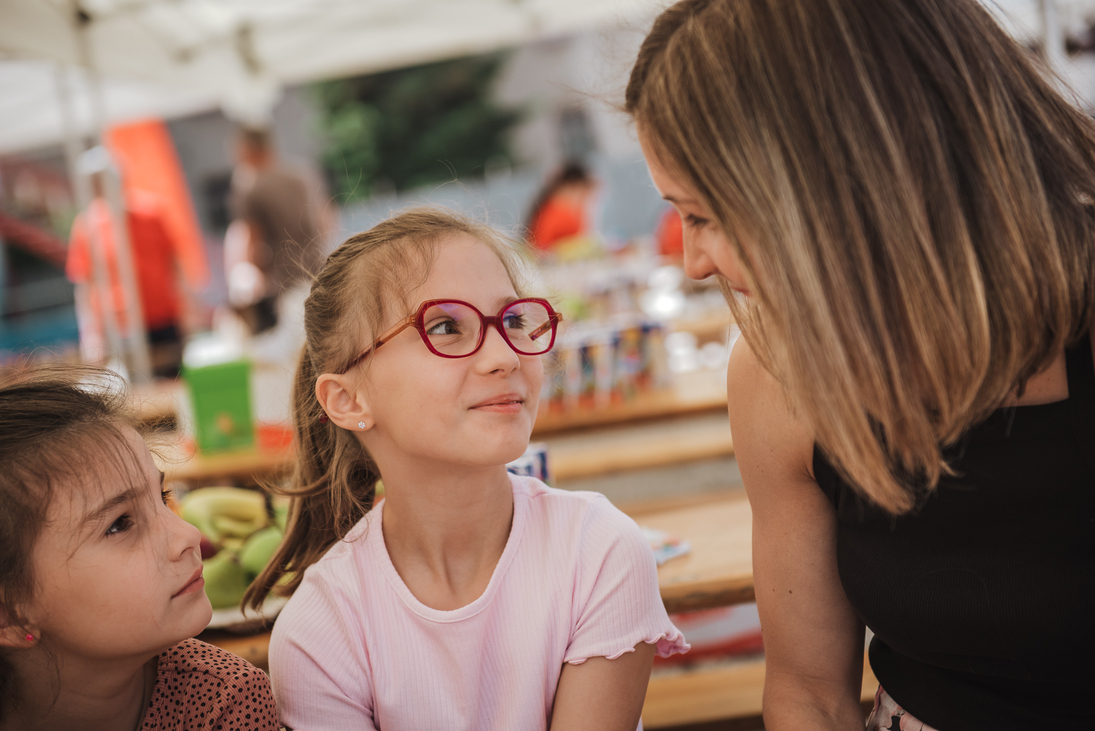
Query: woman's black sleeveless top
982	600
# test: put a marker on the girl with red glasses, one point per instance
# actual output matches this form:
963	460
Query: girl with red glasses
468	598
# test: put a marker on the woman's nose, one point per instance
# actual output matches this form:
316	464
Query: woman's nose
697	264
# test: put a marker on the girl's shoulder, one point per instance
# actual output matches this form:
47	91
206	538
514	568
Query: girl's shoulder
577	513
192	656
544	498
198	682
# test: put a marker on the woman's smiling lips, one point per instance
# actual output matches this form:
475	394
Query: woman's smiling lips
196	583
509	403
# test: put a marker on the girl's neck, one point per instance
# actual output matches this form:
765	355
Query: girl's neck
93	696
445	536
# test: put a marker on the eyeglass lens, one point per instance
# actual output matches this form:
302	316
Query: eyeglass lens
453	328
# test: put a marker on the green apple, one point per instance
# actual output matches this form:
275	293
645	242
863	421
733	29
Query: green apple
225	580
258	549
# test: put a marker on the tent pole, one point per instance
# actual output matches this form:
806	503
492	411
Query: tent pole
136	338
100	277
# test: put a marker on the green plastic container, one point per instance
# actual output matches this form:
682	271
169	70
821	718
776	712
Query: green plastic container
221	397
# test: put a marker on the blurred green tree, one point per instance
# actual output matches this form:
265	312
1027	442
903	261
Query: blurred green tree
413	126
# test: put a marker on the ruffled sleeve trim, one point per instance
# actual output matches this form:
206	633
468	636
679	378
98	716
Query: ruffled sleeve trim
668	643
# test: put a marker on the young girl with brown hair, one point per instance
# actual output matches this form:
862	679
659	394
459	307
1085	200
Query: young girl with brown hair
900	208
468	598
102	583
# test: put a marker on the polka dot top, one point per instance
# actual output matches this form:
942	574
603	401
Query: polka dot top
202	687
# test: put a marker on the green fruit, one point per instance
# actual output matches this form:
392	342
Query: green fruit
225	580
224	511
258	549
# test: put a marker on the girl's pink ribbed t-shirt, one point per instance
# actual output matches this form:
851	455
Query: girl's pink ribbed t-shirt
353	648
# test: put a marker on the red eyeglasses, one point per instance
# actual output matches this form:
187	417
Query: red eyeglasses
456	329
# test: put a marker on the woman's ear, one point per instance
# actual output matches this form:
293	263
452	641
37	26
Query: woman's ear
344	402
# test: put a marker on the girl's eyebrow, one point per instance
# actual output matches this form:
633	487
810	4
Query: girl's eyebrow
109	506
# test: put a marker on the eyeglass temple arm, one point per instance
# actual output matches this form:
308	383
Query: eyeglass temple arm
553	319
391	333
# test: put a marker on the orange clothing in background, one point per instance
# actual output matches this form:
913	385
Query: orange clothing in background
557	220
154	260
150	166
670	234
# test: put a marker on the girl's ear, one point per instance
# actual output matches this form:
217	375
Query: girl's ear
344	402
13	635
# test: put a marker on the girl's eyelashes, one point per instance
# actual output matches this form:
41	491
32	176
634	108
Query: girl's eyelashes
695	221
121	525
125	522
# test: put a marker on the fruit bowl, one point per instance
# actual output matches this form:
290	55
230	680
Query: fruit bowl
240	533
236	621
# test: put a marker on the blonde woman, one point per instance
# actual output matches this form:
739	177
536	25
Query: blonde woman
900	207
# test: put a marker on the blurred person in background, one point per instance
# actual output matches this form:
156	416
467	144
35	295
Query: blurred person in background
164	284
900	207
276	240
670	235
560	214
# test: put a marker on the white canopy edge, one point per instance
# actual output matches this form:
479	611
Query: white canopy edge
168	58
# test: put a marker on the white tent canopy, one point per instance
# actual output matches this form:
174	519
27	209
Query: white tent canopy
172	57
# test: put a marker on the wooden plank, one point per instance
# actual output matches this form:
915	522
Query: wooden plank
689	393
571	456
654	444
716	692
247	465
719	570
638	509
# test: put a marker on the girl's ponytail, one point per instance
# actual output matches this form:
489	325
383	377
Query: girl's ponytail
333	486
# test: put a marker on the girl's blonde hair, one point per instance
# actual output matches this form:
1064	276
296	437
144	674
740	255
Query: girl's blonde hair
910	199
359	291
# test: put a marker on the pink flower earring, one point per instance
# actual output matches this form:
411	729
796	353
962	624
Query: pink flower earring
361	425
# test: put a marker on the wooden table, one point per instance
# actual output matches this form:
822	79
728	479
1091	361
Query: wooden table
728	690
572	455
718	572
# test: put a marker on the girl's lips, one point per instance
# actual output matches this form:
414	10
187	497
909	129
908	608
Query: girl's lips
196	583
501	407
509	401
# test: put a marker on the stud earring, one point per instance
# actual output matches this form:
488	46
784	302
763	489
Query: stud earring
361	425
30	637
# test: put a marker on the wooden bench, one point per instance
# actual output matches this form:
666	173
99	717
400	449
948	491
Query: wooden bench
717	691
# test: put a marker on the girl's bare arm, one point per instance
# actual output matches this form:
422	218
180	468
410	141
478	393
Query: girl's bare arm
602	694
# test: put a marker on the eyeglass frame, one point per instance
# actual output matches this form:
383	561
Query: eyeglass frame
416	320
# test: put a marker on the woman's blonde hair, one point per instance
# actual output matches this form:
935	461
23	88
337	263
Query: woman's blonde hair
911	201
359	292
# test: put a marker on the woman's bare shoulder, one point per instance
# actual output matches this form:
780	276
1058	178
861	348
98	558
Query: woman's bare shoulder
765	429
